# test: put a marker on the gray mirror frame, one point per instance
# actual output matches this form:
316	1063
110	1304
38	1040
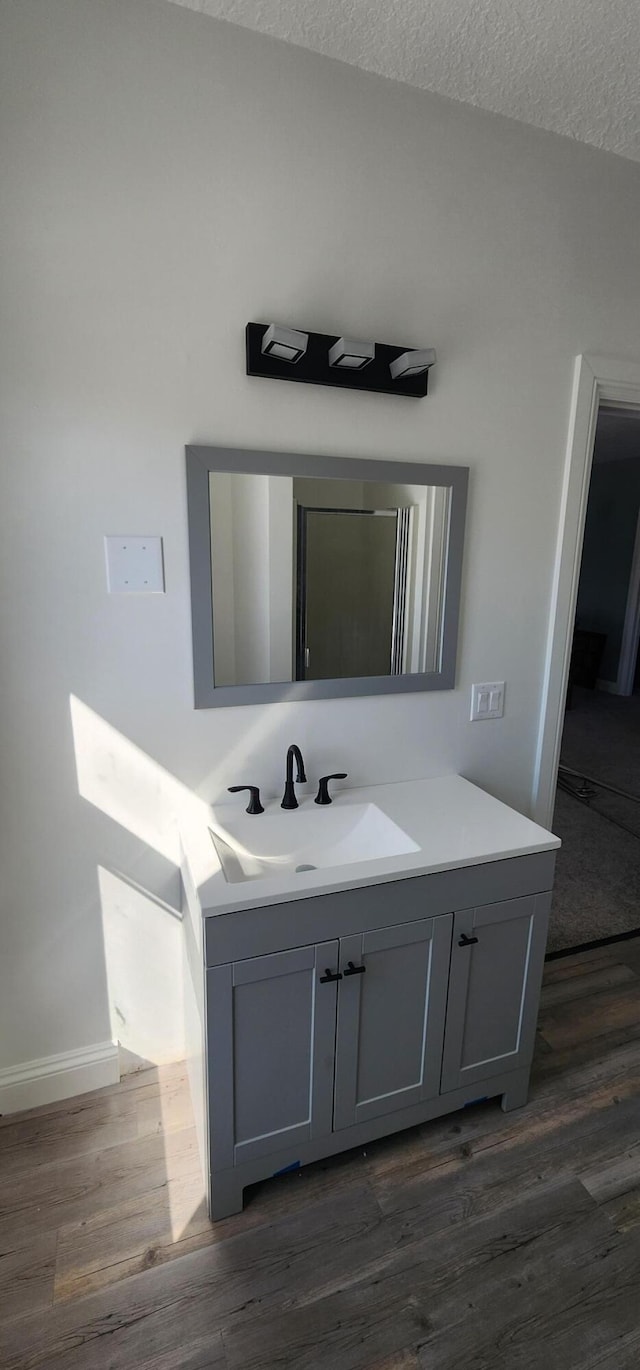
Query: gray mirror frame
203	460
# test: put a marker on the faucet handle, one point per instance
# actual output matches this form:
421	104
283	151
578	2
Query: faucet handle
323	796
254	805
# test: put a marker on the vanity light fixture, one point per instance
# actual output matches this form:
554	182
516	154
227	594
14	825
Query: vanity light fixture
287	344
413	363
278	353
352	355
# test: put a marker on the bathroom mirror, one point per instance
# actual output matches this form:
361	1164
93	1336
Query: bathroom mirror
321	576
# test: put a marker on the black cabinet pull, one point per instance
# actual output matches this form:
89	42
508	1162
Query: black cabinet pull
466	941
354	970
329	976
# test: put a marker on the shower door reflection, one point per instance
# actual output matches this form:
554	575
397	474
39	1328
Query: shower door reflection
351	592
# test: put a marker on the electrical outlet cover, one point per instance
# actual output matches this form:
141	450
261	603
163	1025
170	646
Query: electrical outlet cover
134	565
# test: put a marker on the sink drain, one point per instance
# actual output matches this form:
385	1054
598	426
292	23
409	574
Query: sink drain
305	868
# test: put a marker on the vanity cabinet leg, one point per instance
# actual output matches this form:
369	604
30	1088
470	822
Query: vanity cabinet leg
226	1195
518	1092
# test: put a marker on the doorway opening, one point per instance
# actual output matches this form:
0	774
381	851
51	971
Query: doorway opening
597	805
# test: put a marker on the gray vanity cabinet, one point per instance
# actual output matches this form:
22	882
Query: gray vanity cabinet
338	1018
271	1046
497	960
391	1012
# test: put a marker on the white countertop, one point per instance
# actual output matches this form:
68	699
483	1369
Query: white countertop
452	822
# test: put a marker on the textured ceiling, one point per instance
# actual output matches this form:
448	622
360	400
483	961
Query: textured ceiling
571	66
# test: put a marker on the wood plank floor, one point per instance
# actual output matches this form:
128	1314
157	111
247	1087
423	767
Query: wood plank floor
481	1240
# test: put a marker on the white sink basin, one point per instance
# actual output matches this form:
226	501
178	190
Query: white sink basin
287	841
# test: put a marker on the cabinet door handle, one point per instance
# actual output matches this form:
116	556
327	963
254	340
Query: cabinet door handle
329	976
354	970
466	941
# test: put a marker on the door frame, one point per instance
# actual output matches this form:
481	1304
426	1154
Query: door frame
596	380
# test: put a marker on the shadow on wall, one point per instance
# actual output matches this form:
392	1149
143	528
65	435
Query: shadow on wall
141	932
143	951
144	958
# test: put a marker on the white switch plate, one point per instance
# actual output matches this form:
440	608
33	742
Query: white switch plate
487	700
134	565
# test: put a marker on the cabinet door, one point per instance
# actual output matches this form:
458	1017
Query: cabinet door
271	1039
391	1009
497	960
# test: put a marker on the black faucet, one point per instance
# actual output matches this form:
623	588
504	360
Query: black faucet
289	800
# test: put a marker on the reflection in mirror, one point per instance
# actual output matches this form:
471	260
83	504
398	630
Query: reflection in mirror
323	579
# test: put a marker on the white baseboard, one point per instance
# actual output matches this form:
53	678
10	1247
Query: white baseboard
610	687
58	1077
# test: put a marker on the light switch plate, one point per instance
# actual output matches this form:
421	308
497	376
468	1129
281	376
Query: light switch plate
134	565
487	700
